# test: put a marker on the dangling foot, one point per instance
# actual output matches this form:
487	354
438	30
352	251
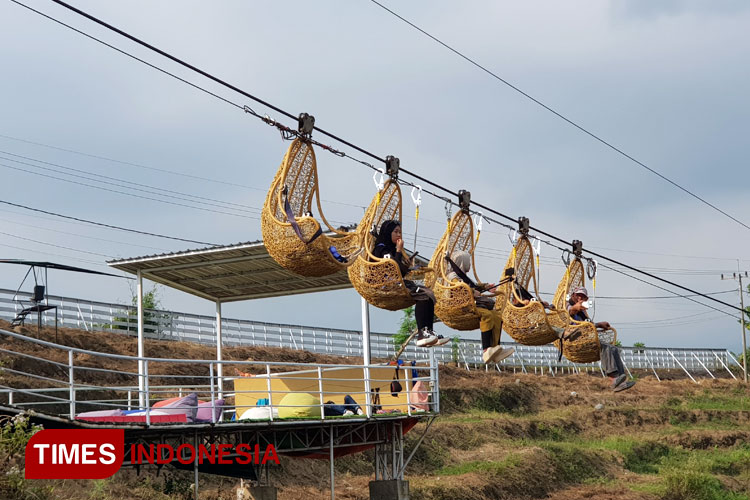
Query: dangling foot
489	353
442	340
426	338
502	354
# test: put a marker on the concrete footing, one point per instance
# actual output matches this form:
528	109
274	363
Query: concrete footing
395	489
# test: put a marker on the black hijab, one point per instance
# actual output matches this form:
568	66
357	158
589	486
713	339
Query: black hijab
384	235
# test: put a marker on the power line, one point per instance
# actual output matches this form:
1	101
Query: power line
157	235
79	235
121	192
216	203
556	113
670	291
56	246
357	148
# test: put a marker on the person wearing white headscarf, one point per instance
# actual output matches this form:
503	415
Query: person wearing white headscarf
490	322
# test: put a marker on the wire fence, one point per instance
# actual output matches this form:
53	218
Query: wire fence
170	325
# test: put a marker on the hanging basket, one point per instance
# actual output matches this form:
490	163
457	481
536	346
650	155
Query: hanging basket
455	304
586	348
528	324
309	252
378	280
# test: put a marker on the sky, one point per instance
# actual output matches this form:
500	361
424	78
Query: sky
664	81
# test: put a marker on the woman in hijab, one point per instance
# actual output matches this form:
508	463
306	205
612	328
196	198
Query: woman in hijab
490	322
390	244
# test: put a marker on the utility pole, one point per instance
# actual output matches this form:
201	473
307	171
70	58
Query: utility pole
738	276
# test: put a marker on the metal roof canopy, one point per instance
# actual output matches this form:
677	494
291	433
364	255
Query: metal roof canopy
242	271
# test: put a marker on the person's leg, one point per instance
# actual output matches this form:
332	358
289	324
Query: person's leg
610	358
613	367
423	313
350	403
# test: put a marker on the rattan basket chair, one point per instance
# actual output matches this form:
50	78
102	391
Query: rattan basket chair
377	279
304	249
454	301
586	348
529	324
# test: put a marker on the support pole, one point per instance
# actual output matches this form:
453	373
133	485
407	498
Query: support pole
330	458
366	357
744	336
141	381
219	370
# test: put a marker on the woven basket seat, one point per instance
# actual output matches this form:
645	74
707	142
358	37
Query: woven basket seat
529	324
586	348
298	174
376	279
454	300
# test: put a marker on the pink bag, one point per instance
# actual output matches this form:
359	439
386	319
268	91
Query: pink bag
419	396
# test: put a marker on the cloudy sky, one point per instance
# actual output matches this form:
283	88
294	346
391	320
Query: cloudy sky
665	81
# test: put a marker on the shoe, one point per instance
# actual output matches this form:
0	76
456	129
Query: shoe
502	354
426	338
624	386
360	412
348	413
442	340
619	380
490	352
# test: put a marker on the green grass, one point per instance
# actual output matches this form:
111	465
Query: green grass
711	401
491	467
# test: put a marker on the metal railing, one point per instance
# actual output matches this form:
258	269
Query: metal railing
169	325
68	387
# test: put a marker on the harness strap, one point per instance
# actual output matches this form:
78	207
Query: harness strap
462	274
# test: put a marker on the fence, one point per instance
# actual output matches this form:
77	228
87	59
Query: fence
75	380
168	325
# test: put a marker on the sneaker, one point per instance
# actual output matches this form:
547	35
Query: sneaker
442	340
619	380
426	338
502	354
624	386
489	353
348	413
360	412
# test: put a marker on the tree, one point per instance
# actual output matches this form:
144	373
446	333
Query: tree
455	348
406	328
152	320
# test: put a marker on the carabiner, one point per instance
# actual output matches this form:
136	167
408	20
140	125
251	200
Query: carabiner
379	183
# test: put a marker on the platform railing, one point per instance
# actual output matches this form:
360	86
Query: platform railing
66	382
170	325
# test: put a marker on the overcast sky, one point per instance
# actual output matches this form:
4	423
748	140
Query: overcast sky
665	81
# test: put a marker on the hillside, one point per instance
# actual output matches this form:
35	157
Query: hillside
501	435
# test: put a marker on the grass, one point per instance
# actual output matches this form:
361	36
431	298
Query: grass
491	467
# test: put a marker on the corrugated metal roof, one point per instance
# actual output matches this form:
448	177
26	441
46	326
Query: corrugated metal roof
241	271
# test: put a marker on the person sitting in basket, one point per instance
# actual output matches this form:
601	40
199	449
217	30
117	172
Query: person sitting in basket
389	244
609	354
490	321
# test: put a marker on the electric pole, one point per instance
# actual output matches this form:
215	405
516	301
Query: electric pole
738	276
